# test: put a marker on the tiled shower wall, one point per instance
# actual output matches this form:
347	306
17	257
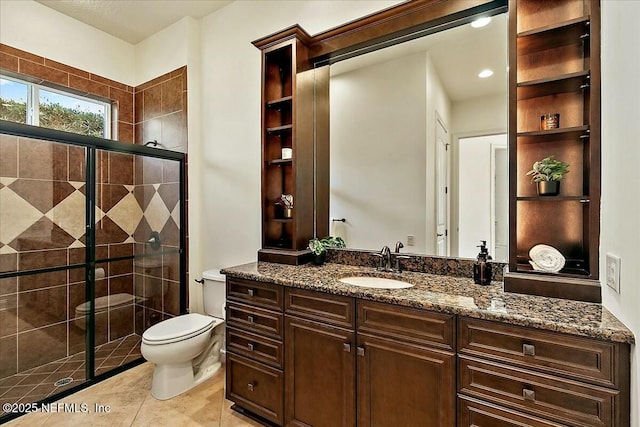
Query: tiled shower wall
134	197
160	115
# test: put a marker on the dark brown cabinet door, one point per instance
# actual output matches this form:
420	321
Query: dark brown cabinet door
404	385
320	375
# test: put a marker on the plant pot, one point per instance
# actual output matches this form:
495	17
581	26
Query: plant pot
319	259
548	188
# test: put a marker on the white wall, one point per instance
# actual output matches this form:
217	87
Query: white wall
438	104
378	141
231	115
620	221
164	51
37	29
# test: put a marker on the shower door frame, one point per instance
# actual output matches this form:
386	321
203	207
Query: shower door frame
92	144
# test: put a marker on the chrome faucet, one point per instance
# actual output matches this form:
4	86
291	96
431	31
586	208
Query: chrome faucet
386	258
397	266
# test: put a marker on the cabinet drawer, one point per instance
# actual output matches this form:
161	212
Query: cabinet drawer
335	310
255	346
411	324
256	387
573	357
565	401
256	293
480	414
254	319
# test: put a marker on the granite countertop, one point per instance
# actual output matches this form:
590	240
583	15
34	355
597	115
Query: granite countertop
447	294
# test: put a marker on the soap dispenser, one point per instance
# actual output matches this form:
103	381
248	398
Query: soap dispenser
482	266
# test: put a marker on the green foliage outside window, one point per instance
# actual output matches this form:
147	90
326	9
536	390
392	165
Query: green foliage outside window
55	116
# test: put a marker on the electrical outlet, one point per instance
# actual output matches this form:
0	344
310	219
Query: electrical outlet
411	240
613	272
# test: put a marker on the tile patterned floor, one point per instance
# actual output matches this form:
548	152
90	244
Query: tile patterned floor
38	383
131	404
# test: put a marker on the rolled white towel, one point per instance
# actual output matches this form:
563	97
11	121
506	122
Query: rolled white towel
546	258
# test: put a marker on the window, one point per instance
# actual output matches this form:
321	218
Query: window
33	104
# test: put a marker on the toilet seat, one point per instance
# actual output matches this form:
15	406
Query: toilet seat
178	328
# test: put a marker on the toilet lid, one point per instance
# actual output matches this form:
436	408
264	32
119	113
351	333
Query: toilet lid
178	328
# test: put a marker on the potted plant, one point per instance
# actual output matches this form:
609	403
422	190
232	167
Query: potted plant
285	206
319	247
548	173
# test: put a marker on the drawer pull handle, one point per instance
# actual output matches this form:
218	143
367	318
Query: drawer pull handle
360	351
528	394
251	292
250	386
250	319
528	350
347	347
250	346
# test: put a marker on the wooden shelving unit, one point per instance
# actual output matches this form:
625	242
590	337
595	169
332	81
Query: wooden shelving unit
555	68
288	122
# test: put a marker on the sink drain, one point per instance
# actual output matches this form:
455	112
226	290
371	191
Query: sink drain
63	381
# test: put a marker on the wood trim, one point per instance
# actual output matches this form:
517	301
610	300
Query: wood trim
294	31
399	20
407	324
553	286
334	310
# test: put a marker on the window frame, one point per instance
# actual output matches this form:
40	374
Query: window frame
33	102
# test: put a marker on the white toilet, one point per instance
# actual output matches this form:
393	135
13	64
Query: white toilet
186	349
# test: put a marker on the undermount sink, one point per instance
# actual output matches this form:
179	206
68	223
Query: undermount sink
375	282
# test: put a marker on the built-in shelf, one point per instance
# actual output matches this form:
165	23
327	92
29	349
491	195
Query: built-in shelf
552	36
279	129
572	82
581	199
555	69
560	134
281	220
280	103
525	267
280	162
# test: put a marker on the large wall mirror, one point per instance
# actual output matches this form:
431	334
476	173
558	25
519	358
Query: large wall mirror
418	144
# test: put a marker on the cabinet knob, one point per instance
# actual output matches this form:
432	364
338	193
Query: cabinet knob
250	346
347	347
360	351
250	319
251	292
250	386
528	394
528	350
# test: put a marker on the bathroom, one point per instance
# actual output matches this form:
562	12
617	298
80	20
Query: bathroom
223	81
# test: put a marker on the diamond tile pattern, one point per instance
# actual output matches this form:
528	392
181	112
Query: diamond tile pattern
37	214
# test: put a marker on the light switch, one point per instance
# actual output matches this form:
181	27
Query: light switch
613	272
411	240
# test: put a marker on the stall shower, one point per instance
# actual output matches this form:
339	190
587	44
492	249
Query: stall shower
92	252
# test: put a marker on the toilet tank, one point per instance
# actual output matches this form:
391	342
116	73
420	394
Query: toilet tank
214	293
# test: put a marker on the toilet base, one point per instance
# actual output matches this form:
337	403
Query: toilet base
172	380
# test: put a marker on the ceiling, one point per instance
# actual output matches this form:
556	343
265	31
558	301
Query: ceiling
133	20
458	55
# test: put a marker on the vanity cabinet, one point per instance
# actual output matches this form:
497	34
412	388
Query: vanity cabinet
298	357
554	59
320	388
510	372
254	339
406	366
